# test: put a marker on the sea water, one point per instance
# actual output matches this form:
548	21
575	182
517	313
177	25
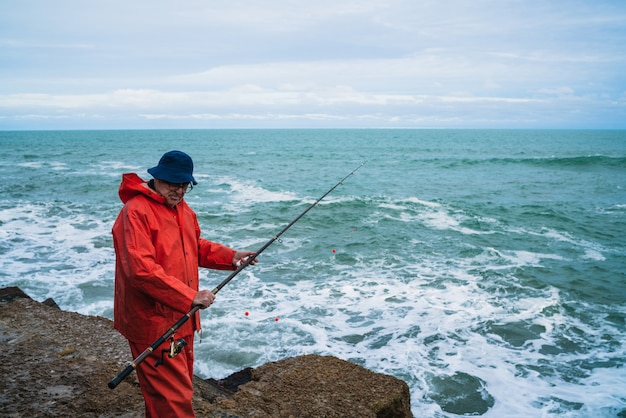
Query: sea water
486	268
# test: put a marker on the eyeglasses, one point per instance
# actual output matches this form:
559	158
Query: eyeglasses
187	187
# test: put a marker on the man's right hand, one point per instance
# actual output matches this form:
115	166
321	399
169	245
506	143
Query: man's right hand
204	299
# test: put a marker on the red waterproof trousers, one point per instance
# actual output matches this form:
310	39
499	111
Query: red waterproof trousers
167	389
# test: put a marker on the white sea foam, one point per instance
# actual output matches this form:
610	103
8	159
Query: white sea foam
591	254
52	255
443	219
52	165
249	193
590	250
526	258
31	164
422	202
116	168
432	214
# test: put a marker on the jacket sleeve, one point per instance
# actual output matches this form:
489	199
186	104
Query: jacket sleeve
139	261
211	254
215	256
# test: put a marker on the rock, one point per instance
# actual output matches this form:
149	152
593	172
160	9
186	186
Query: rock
9	294
51	303
57	364
319	386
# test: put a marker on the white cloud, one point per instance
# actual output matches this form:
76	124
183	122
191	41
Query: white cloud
529	63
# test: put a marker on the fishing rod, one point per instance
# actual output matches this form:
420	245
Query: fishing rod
177	346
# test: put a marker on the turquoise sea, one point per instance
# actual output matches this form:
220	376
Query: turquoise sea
486	268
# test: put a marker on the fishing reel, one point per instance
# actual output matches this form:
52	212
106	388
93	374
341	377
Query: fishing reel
176	346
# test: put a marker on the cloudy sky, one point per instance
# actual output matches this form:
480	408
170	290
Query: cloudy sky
74	64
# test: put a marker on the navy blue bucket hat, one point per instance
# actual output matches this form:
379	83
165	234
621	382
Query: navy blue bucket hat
174	167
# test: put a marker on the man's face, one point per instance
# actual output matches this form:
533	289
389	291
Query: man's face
172	192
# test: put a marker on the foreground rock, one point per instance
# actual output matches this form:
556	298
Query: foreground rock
57	364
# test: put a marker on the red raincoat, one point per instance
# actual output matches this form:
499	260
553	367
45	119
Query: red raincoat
158	252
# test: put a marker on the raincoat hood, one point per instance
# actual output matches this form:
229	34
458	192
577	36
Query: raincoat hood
133	185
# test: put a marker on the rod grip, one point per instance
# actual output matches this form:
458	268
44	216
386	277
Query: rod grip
121	376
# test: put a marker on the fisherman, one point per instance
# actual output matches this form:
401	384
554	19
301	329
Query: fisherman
158	251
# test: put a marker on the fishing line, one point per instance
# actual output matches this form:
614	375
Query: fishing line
133	365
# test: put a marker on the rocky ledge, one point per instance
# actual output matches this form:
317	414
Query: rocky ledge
57	364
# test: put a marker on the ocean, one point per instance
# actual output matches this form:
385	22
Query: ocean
486	268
